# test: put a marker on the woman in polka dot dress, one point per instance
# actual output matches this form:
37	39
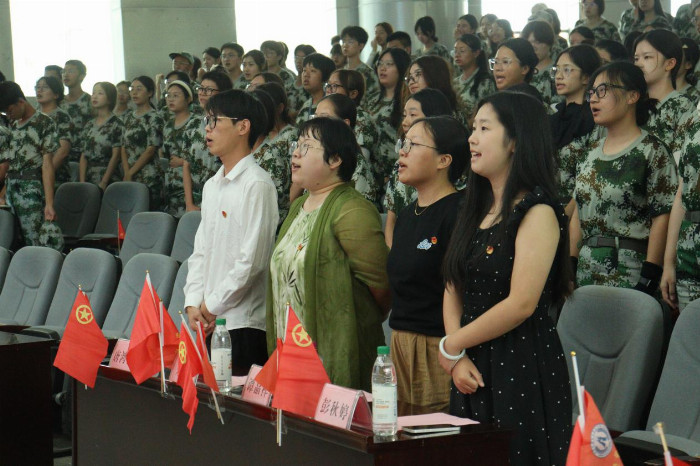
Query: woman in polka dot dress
504	271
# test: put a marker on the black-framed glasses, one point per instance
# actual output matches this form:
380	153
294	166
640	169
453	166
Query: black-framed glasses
601	90
210	120
199	89
332	88
406	144
565	70
414	77
303	148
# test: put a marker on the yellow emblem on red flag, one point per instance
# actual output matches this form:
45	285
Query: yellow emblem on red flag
84	314
183	352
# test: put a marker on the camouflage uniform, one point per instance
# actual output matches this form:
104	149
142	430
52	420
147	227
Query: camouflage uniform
306	112
437	49
140	133
67	131
683	25
241	83
660	22
97	143
618	196
274	156
385	154
371	84
288	80
469	96
25	188
604	30
568	158
692	93
626	22
542	81
297	97
674	114
367	137
177	141
80	112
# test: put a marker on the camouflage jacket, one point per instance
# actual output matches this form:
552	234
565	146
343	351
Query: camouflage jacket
604	30
29	142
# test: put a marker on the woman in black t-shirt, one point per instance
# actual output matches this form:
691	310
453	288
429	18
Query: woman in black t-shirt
432	158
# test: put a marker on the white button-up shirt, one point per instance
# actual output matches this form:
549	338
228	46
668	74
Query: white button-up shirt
232	248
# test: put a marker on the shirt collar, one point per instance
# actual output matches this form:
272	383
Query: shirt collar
240	167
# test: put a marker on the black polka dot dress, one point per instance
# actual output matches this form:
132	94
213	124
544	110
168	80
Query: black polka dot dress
525	375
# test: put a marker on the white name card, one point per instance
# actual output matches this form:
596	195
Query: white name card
253	392
343	407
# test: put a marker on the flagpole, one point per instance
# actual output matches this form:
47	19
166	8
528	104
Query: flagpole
659	429
162	362
80	290
579	392
279	427
213	393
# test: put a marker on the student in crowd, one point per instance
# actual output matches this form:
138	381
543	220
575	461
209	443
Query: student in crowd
434	72
659	54
624	187
504	270
399	40
610	50
338	58
353	42
211	58
231	61
541	37
297	98
651	16
433	156
425	103
143	136
466	24
30	175
381	32
253	64
262	78
55	71
499	32
425	31
474	81
49	94
581	35
329	262
274	62
101	139
77	101
161	102
317	70
343	107
123	100
232	247
602	28
628	18
485	24
386	109
182	65
687	80
514	66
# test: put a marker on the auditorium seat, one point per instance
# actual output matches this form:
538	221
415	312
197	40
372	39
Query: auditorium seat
148	232
74	168
184	235
177	301
676	399
122	312
7	228
127	197
29	286
92	269
5	258
617	335
77	206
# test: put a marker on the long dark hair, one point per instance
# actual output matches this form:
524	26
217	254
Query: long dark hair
402	60
482	72
658	9
532	166
437	74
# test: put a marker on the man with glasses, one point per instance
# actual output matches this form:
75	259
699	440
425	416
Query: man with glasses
353	40
228	267
231	59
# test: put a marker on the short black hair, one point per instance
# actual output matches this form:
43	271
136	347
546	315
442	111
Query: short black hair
400	36
427	26
322	63
212	52
10	94
82	69
223	82
305	48
355	32
450	137
344	107
337	139
525	54
55	68
471	20
243	106
55	85
181	76
616	50
279	96
233	46
586	32
269	104
541	29
631	78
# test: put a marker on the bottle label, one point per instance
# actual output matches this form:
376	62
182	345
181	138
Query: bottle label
221	363
383	404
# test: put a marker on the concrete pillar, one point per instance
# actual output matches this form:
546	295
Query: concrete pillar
474	7
154	28
348	14
6	64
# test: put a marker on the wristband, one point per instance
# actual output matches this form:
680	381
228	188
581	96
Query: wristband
450	356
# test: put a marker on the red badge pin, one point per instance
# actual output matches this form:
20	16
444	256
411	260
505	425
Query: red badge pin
489	250
433	240
223	212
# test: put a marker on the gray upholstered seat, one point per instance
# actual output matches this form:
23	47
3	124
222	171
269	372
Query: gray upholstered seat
7	228
77	206
177	300
127	197
677	400
148	232
617	335
29	286
5	258
122	312
92	269
184	235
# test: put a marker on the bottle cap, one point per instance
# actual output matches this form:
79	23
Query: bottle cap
382	350
220	321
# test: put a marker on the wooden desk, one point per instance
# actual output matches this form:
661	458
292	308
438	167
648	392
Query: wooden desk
25	400
120	422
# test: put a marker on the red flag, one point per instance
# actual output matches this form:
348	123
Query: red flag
190	367
592	446
143	356
120	229
676	462
207	370
267	377
83	346
301	375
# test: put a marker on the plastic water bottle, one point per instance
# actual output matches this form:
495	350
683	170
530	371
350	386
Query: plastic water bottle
384	397
221	356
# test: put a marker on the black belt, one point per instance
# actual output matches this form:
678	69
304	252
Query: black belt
637	245
29	175
692	216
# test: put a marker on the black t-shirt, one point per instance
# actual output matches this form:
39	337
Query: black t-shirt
415	266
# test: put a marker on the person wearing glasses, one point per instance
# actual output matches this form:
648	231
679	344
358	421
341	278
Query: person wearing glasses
514	66
474	81
317	70
274	61
624	188
602	28
49	94
230	260
432	157
353	40
434	72
143	136
329	262
541	36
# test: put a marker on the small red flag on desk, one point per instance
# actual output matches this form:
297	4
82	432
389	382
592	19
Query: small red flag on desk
207	370
120	230
83	346
267	377
190	367
592	445
301	375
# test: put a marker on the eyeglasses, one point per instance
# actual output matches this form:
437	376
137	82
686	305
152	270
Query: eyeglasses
565	70
601	90
332	88
210	121
415	77
303	148
406	144
386	64
198	88
502	62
